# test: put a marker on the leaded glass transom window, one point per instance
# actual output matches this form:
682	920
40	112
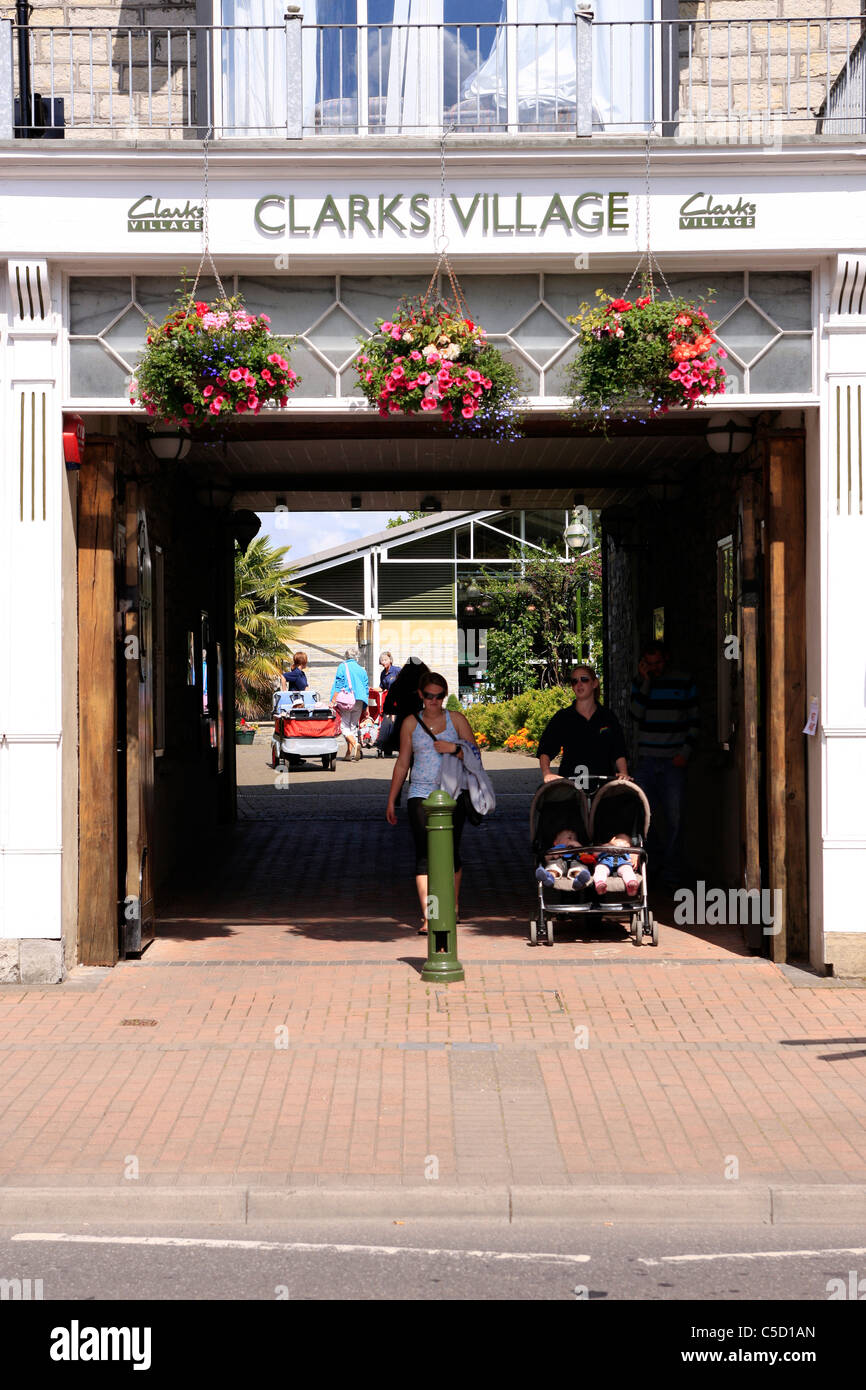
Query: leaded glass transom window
765	324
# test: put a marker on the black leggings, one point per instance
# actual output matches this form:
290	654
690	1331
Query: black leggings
418	826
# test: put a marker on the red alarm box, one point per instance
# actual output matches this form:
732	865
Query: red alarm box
73	440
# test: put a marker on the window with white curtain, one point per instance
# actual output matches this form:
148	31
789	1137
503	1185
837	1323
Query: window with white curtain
417	65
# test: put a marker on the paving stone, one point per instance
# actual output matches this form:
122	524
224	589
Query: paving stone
41	961
10	973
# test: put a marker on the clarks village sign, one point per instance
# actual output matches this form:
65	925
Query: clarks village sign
703	212
150	214
491	214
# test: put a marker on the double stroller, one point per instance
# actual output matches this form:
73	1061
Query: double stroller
613	808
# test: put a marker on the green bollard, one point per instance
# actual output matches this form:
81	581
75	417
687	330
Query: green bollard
442	965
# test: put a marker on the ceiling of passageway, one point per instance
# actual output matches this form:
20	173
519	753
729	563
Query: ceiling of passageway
319	464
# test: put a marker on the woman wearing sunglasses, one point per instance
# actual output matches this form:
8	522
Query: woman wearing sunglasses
425	739
589	735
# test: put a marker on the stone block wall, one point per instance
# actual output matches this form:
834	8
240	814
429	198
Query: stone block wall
110	74
753	82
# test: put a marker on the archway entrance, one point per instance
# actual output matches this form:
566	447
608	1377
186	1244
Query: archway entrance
711	549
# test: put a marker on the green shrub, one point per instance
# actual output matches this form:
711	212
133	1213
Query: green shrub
545	704
532	710
453	703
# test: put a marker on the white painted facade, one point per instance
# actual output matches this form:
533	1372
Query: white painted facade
64	211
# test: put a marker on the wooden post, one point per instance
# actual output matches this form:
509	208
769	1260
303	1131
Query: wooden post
786	704
750	770
97	732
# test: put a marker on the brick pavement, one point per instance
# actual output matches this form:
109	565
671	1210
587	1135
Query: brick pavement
278	1033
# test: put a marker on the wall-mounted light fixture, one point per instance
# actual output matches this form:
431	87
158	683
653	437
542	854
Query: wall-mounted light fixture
168	444
429	505
355	502
730	434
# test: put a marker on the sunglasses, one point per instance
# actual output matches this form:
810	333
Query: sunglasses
433	694
581	680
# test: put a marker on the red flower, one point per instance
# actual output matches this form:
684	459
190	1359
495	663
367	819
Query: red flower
642	303
619	306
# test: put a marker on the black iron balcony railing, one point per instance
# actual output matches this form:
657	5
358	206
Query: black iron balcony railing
736	80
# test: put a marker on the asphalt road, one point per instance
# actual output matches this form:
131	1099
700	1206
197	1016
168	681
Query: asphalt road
422	1260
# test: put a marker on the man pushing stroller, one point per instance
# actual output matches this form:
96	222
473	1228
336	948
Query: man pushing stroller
591	739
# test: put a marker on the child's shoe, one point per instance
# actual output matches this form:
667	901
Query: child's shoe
544	876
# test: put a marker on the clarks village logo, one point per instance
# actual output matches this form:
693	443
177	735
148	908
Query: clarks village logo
702	212
150	214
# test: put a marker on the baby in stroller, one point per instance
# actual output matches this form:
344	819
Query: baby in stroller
622	865
565	862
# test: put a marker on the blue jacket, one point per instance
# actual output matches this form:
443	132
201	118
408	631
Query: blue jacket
351	676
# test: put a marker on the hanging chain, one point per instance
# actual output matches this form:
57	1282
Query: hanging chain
440	240
647	262
205	228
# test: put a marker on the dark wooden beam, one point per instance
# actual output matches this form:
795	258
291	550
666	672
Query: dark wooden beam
786	699
97	733
749	758
364	425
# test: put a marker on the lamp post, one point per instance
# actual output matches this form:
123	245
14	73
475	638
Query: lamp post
578	532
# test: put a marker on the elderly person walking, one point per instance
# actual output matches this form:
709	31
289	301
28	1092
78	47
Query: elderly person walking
390	672
349	697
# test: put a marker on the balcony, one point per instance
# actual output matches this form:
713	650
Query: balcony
724	81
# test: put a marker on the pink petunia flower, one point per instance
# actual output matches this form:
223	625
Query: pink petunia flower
208	391
234	374
467	412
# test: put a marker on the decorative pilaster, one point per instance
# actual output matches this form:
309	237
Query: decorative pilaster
31	483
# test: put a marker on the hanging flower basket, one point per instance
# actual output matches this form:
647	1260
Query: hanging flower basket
211	360
431	359
638	359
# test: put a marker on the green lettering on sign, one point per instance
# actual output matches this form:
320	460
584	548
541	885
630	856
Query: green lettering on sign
386	213
556	213
328	216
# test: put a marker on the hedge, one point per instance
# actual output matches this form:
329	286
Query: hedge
532	710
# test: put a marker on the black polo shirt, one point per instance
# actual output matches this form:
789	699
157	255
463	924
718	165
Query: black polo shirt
594	743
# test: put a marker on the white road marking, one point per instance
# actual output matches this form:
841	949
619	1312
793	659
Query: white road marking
755	1255
300	1247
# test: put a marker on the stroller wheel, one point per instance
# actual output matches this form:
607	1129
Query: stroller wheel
533	931
549	926
654	929
638	929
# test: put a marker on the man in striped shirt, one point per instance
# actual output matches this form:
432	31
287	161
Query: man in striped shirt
664	704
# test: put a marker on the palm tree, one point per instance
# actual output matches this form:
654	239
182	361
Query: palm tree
264	609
